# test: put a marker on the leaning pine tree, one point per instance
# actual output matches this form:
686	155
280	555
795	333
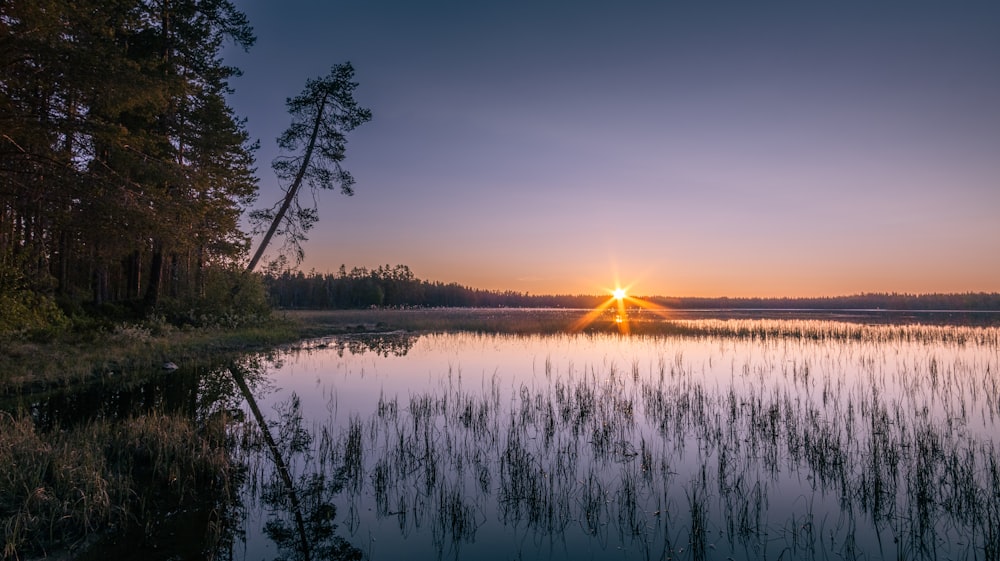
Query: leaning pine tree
314	145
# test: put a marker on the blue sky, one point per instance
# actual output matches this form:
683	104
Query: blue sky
688	148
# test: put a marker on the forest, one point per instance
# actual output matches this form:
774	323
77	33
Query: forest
124	172
397	286
124	175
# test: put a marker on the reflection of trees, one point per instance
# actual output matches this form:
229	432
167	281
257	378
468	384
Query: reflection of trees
300	496
389	344
661	464
382	344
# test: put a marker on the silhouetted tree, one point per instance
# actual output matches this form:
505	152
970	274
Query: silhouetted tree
321	116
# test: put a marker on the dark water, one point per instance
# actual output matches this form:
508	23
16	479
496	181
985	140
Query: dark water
472	446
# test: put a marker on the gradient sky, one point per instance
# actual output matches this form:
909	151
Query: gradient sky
690	148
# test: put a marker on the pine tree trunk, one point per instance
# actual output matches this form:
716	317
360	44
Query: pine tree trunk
152	296
292	190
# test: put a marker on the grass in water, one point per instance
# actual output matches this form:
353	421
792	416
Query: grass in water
822	439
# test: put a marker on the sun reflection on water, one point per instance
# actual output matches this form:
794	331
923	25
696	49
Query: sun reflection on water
623	303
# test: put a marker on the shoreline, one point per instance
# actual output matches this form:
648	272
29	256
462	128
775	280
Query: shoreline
30	367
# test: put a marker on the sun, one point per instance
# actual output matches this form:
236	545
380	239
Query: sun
619	304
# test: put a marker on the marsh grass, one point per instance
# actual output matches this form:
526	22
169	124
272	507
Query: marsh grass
788	324
59	489
824	440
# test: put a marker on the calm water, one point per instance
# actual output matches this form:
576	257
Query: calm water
877	445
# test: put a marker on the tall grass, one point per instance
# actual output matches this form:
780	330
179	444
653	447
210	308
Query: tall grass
62	488
641	322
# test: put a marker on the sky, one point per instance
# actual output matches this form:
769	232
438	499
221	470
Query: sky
681	148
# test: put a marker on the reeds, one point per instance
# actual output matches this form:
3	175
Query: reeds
798	440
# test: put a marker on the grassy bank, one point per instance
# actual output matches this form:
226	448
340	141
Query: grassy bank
109	480
30	365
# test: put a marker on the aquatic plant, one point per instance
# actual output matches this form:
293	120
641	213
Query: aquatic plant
819	438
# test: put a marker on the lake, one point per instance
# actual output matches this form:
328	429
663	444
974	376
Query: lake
790	436
761	438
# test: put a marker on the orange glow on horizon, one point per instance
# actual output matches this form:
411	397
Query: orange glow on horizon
619	298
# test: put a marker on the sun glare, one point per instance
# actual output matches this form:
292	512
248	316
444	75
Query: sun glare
618	306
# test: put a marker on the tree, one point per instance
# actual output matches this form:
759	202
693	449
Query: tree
322	115
122	167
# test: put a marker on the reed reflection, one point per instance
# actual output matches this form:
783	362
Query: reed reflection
771	438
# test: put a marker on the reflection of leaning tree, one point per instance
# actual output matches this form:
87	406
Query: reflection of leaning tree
307	497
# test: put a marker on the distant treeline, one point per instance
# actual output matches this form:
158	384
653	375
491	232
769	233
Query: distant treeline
398	287
869	301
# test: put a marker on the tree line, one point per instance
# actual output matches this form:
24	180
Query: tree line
394	286
867	301
397	286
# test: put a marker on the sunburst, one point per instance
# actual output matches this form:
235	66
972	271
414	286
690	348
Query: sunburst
621	300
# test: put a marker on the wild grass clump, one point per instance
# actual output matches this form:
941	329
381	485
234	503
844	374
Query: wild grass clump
827	330
57	488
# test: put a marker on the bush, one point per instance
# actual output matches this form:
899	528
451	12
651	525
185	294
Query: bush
230	298
22	309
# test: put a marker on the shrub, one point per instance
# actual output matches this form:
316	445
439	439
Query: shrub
230	298
23	309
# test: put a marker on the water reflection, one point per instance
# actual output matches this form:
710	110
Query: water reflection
297	491
111	399
745	439
381	344
663	447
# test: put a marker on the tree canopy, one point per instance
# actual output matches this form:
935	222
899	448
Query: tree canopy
123	169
